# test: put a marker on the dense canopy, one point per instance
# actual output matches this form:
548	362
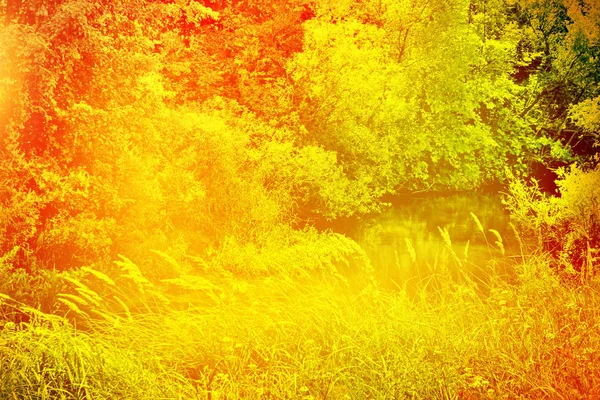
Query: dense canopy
183	124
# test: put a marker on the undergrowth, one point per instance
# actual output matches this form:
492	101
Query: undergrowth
567	226
221	337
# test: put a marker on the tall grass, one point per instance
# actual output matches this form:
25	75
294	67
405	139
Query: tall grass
224	337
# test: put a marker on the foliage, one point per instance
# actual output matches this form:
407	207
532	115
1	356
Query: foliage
175	125
586	115
298	255
395	120
203	139
567	226
558	64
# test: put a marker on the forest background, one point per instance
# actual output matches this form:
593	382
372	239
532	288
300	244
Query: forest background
199	143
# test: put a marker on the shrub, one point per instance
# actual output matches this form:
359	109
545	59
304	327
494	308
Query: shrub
567	227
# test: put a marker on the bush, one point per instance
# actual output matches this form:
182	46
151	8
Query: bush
567	227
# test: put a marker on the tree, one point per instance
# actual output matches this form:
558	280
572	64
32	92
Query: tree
558	66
